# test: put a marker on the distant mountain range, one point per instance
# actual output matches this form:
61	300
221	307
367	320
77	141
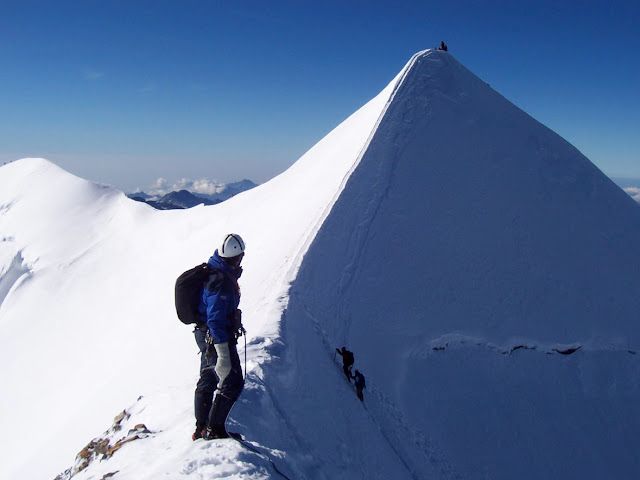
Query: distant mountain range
181	199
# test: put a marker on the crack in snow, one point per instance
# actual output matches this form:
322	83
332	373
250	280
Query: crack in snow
14	274
457	341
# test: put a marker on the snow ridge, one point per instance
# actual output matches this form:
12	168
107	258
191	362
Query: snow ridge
513	258
103	268
396	83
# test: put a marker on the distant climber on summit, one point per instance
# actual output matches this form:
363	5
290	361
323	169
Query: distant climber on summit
443	47
347	361
219	326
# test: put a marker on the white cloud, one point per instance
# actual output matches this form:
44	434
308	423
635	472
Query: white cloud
634	192
201	185
160	183
204	185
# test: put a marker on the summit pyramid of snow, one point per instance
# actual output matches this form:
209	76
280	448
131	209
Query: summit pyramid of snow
483	271
487	276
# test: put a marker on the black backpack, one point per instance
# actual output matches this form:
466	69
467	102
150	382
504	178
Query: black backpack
348	357
189	287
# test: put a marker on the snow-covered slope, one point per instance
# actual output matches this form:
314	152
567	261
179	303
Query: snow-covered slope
483	271
470	249
87	321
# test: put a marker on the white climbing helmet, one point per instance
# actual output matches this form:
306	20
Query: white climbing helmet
232	246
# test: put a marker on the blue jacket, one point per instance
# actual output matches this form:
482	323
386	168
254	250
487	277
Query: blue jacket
220	298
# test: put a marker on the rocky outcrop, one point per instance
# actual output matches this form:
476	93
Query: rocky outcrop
105	446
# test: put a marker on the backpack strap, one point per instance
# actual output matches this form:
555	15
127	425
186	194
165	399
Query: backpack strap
215	280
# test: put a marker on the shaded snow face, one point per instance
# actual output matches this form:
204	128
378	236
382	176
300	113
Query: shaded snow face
541	245
13	269
470	248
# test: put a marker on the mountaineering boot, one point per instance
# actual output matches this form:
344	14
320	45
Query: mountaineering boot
219	432
219	411
214	432
217	419
199	432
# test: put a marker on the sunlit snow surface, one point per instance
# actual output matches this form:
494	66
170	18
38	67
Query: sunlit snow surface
89	324
484	272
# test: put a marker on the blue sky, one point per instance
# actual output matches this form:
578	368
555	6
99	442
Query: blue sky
123	92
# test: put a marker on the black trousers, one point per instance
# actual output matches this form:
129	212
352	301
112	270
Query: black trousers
230	388
208	380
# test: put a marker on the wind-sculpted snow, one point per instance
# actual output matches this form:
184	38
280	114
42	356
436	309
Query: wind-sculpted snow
13	269
11	274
